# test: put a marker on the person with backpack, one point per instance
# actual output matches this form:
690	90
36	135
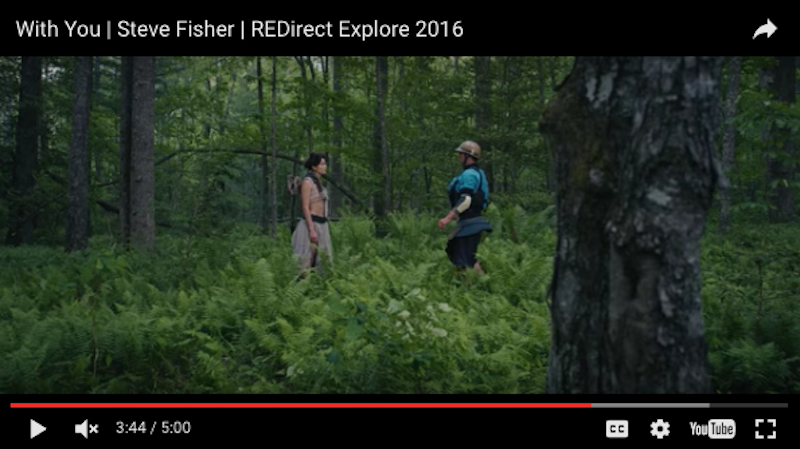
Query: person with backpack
312	233
469	195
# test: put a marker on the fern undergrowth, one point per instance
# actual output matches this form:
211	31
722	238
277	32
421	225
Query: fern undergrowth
228	315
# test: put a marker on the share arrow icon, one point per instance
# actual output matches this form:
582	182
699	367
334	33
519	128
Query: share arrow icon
768	28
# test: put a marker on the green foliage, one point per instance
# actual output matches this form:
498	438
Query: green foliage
229	314
217	308
751	290
763	127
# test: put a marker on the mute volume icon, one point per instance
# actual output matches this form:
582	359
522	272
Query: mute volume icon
85	428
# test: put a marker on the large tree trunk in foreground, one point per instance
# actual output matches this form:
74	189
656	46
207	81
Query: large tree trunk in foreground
633	139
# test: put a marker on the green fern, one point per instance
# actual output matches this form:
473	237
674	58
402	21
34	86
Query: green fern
230	315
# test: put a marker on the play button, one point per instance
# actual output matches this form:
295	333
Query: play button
36	429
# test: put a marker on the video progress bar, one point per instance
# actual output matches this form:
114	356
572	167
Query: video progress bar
392	405
688	405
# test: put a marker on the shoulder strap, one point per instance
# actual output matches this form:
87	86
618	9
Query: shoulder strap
481	184
315	181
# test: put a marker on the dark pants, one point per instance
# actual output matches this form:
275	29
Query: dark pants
461	250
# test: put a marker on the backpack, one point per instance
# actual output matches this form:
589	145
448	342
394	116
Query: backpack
293	183
484	196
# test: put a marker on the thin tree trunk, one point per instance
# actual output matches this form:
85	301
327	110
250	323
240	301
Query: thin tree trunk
301	62
781	197
77	226
96	86
262	216
23	182
729	141
143	227
42	125
336	198
483	114
634	140
383	200
125	133
548	157
272	180
307	128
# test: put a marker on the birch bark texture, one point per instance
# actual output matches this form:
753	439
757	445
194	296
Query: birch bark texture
633	140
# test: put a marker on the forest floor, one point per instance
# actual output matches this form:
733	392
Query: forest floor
225	314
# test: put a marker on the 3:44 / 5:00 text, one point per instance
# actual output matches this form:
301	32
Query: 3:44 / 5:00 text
162	427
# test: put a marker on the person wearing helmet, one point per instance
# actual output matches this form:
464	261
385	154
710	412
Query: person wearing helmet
469	195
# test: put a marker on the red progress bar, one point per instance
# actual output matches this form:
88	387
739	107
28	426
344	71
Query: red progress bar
254	405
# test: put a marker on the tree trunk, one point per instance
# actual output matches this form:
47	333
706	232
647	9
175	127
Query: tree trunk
43	155
634	143
126	98
780	171
381	165
551	168
307	129
729	141
272	181
336	198
483	113
262	216
301	62
77	227
548	179
96	86
23	181
143	227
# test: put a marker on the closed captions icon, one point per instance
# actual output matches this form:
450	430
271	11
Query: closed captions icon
617	428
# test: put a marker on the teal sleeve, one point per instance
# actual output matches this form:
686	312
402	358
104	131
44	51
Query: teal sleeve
470	181
452	183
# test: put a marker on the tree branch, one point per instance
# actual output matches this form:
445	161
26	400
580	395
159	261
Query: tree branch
114	209
347	193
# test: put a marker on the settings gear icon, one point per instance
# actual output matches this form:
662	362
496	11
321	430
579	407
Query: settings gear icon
660	429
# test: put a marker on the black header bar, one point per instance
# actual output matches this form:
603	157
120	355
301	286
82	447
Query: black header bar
544	30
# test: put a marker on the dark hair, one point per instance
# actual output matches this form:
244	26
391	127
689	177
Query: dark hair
315	159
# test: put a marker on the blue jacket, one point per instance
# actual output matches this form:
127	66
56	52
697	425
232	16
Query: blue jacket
472	181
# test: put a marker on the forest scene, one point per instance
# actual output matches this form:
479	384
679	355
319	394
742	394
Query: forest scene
644	212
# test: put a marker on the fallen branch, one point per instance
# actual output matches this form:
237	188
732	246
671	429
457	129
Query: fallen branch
346	192
166	158
114	209
104	204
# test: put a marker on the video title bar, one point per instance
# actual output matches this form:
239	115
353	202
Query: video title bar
242	30
495	32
